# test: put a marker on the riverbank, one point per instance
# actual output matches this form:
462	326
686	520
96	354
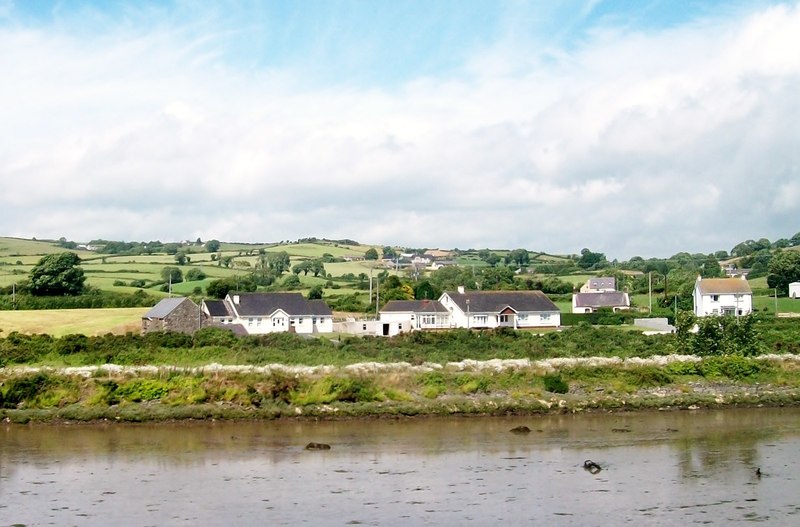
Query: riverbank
377	390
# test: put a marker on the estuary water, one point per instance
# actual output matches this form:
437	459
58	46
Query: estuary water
659	468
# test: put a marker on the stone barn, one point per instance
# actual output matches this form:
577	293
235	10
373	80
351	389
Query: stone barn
177	314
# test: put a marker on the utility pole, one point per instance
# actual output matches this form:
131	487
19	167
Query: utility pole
377	294
650	291
776	301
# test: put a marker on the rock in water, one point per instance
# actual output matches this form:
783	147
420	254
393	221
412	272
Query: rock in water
318	446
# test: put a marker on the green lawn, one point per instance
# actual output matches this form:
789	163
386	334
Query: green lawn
766	304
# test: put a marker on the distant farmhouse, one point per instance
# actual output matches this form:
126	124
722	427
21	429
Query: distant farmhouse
600	293
722	296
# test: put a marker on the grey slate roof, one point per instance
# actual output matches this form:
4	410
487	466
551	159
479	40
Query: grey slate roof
414	306
603	282
497	301
217	308
265	304
609	299
320	308
164	307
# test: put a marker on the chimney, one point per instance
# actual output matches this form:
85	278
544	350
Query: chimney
461	289
236	299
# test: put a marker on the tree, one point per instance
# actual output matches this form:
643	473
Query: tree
220	288
57	274
212	246
711	268
520	257
590	260
371	254
278	262
180	258
389	253
195	274
171	275
315	293
784	268
317	267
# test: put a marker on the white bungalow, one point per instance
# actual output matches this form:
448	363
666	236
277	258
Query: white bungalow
492	309
411	315
591	302
261	313
722	296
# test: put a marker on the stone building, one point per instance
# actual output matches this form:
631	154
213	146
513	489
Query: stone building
177	314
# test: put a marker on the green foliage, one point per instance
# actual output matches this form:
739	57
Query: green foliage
371	254
554	383
138	390
171	274
733	367
784	268
212	246
717	335
315	293
21	389
57	274
195	274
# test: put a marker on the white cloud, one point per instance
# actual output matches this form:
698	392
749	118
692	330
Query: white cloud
634	143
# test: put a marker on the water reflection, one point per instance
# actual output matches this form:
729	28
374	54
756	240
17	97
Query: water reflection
657	468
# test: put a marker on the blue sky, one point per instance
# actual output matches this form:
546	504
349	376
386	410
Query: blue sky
629	127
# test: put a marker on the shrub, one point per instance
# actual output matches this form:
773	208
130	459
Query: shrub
555	384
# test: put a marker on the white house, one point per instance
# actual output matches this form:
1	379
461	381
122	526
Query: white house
722	296
410	315
794	290
591	302
491	309
261	313
601	284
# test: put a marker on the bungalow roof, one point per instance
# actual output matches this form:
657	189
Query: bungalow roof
497	301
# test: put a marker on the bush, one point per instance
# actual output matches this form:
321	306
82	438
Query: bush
555	384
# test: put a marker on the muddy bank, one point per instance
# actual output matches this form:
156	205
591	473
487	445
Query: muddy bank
375	390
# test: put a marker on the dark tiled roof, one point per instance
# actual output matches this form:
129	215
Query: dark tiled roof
320	308
217	308
265	304
164	307
610	299
414	306
496	301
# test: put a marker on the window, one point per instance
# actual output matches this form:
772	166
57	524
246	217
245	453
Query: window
364	327
428	320
522	317
250	322
715	298
480	319
544	317
503	319
313	320
299	320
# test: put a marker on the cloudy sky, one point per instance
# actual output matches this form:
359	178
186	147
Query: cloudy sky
631	128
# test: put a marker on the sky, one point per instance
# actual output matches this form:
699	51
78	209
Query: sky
629	127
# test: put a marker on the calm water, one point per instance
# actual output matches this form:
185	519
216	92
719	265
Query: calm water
658	469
